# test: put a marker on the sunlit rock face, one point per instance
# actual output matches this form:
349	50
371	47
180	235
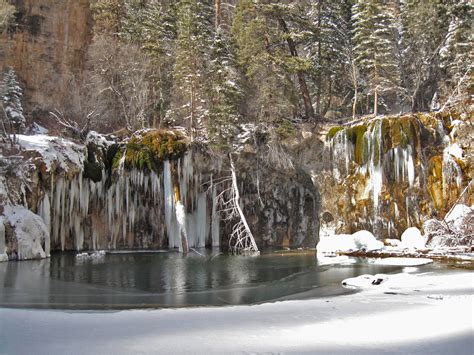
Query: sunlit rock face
387	174
47	49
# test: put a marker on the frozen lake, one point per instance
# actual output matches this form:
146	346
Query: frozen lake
169	279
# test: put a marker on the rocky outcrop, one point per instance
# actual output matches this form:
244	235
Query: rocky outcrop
387	174
281	204
143	192
47	49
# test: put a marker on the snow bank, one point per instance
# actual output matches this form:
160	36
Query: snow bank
54	150
361	240
30	232
455	230
412	239
403	261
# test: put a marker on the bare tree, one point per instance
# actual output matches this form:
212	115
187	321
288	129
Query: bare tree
241	240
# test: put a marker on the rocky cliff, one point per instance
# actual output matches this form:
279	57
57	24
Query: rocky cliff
47	49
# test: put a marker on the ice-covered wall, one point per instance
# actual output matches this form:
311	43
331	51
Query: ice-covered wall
390	173
131	209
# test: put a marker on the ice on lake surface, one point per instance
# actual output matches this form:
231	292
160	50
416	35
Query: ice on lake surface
170	279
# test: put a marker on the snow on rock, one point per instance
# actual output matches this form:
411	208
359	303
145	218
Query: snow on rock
403	261
98	139
30	232
330	245
361	240
54	150
412	239
38	129
455	230
364	281
97	255
364	240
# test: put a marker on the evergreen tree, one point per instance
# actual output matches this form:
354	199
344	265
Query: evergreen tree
108	16
329	49
225	93
375	51
267	43
457	54
11	96
194	35
423	25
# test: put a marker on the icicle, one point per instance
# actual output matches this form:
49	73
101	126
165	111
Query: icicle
215	221
44	211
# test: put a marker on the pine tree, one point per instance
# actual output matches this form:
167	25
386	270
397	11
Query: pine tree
329	48
457	54
11	96
194	26
423	26
225	92
375	49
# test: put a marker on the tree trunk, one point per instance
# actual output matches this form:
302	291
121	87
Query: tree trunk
308	107
191	118
319	76
248	234
217	5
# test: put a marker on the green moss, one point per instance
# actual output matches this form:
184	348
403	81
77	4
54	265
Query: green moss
332	132
148	151
357	136
117	157
92	171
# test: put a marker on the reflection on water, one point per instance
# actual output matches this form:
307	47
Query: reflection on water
168	279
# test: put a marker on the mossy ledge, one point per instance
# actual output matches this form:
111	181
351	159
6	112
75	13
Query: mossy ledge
146	150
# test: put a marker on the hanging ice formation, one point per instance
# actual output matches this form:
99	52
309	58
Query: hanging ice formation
383	170
137	209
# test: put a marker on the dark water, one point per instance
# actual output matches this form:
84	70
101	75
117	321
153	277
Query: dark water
169	279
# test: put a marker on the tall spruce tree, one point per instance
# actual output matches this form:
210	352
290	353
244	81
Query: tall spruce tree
225	92
375	51
457	54
12	93
423	24
193	43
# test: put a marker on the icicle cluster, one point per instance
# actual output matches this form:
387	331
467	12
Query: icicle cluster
136	209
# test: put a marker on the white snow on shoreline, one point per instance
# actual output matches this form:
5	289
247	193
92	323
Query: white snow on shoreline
426	313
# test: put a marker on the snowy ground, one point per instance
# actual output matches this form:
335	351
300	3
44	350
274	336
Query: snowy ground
407	314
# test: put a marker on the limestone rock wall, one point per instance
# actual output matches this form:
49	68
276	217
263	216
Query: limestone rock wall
47	49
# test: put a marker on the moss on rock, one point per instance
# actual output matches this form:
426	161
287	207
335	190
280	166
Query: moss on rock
149	149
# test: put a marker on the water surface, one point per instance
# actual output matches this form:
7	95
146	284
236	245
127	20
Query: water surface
170	279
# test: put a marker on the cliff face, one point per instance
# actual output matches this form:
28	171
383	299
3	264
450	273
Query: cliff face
47	49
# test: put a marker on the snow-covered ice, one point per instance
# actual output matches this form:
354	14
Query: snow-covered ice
406	314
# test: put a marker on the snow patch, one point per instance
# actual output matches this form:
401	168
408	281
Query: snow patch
364	281
38	129
30	232
54	150
403	261
412	239
361	240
